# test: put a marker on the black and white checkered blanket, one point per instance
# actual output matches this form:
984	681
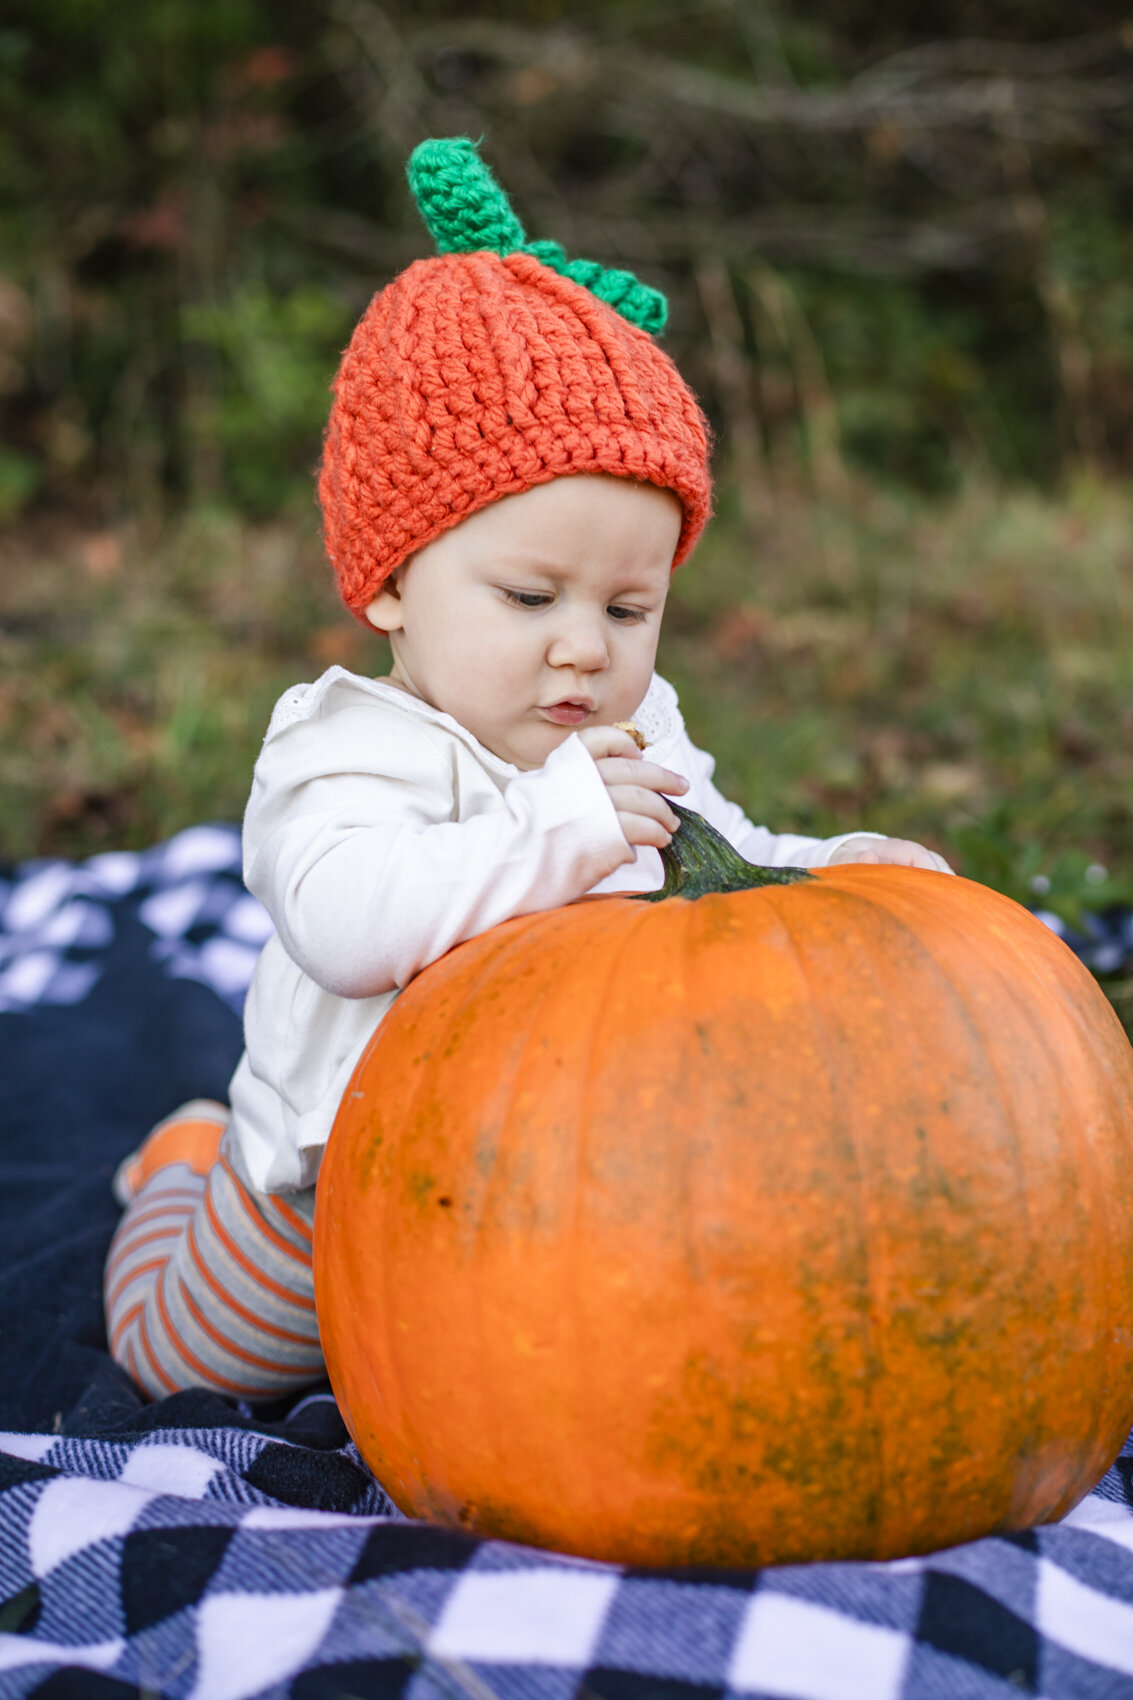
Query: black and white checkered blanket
196	1549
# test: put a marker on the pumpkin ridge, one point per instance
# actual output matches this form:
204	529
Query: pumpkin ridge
392	1365
629	934
490	949
553	936
1086	1173
1115	1343
548	926
991	963
787	904
329	1320
993	968
989	947
1088	1178
690	924
896	914
992	957
901	909
489	962
696	917
545	927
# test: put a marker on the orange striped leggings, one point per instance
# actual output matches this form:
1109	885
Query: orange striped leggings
208	1283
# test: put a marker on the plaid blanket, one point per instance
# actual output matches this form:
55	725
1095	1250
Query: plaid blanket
195	1548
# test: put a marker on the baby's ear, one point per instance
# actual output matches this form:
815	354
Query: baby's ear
385	611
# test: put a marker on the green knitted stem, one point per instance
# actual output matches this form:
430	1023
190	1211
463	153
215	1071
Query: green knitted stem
462	204
698	860
466	210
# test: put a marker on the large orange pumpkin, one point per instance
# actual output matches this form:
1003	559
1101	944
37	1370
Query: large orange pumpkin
782	1224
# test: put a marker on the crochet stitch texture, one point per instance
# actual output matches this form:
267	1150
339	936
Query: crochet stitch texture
476	375
465	209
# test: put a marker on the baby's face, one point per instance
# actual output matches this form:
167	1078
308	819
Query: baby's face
537	615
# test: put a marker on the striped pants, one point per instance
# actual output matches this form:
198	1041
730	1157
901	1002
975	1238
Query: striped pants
209	1283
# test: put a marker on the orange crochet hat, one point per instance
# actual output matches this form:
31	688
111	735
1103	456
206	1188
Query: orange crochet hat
497	365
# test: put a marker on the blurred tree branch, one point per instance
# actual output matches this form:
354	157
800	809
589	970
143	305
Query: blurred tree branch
193	211
953	84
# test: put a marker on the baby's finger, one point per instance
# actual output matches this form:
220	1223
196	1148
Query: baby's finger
651	805
674	783
893	852
615	771
913	855
640	830
604	741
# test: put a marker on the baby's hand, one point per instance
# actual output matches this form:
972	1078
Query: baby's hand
899	850
635	786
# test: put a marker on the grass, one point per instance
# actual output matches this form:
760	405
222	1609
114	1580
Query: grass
958	673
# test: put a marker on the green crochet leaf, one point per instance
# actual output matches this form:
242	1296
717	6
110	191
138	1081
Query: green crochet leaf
465	210
628	296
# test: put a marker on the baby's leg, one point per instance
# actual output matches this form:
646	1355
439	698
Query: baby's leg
208	1283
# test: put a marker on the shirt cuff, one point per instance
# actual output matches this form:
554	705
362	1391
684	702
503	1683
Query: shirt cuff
571	790
829	845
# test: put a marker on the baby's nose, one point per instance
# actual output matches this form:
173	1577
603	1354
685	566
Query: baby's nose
581	643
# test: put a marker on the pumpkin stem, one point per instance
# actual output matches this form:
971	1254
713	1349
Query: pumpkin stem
699	860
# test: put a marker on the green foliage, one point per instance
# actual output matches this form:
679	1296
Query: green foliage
19	476
145	148
270	394
195	191
956	672
1070	882
932	670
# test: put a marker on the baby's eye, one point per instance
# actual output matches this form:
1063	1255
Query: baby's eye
625	616
527	598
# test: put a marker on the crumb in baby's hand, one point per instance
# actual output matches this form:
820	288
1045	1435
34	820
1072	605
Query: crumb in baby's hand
628	726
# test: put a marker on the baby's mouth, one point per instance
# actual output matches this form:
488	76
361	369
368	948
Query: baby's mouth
572	711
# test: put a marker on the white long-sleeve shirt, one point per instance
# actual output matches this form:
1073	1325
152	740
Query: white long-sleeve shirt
380	833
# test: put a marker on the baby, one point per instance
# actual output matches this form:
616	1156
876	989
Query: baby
511	473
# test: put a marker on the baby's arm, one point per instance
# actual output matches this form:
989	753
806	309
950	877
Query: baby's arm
771	849
902	851
366	885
